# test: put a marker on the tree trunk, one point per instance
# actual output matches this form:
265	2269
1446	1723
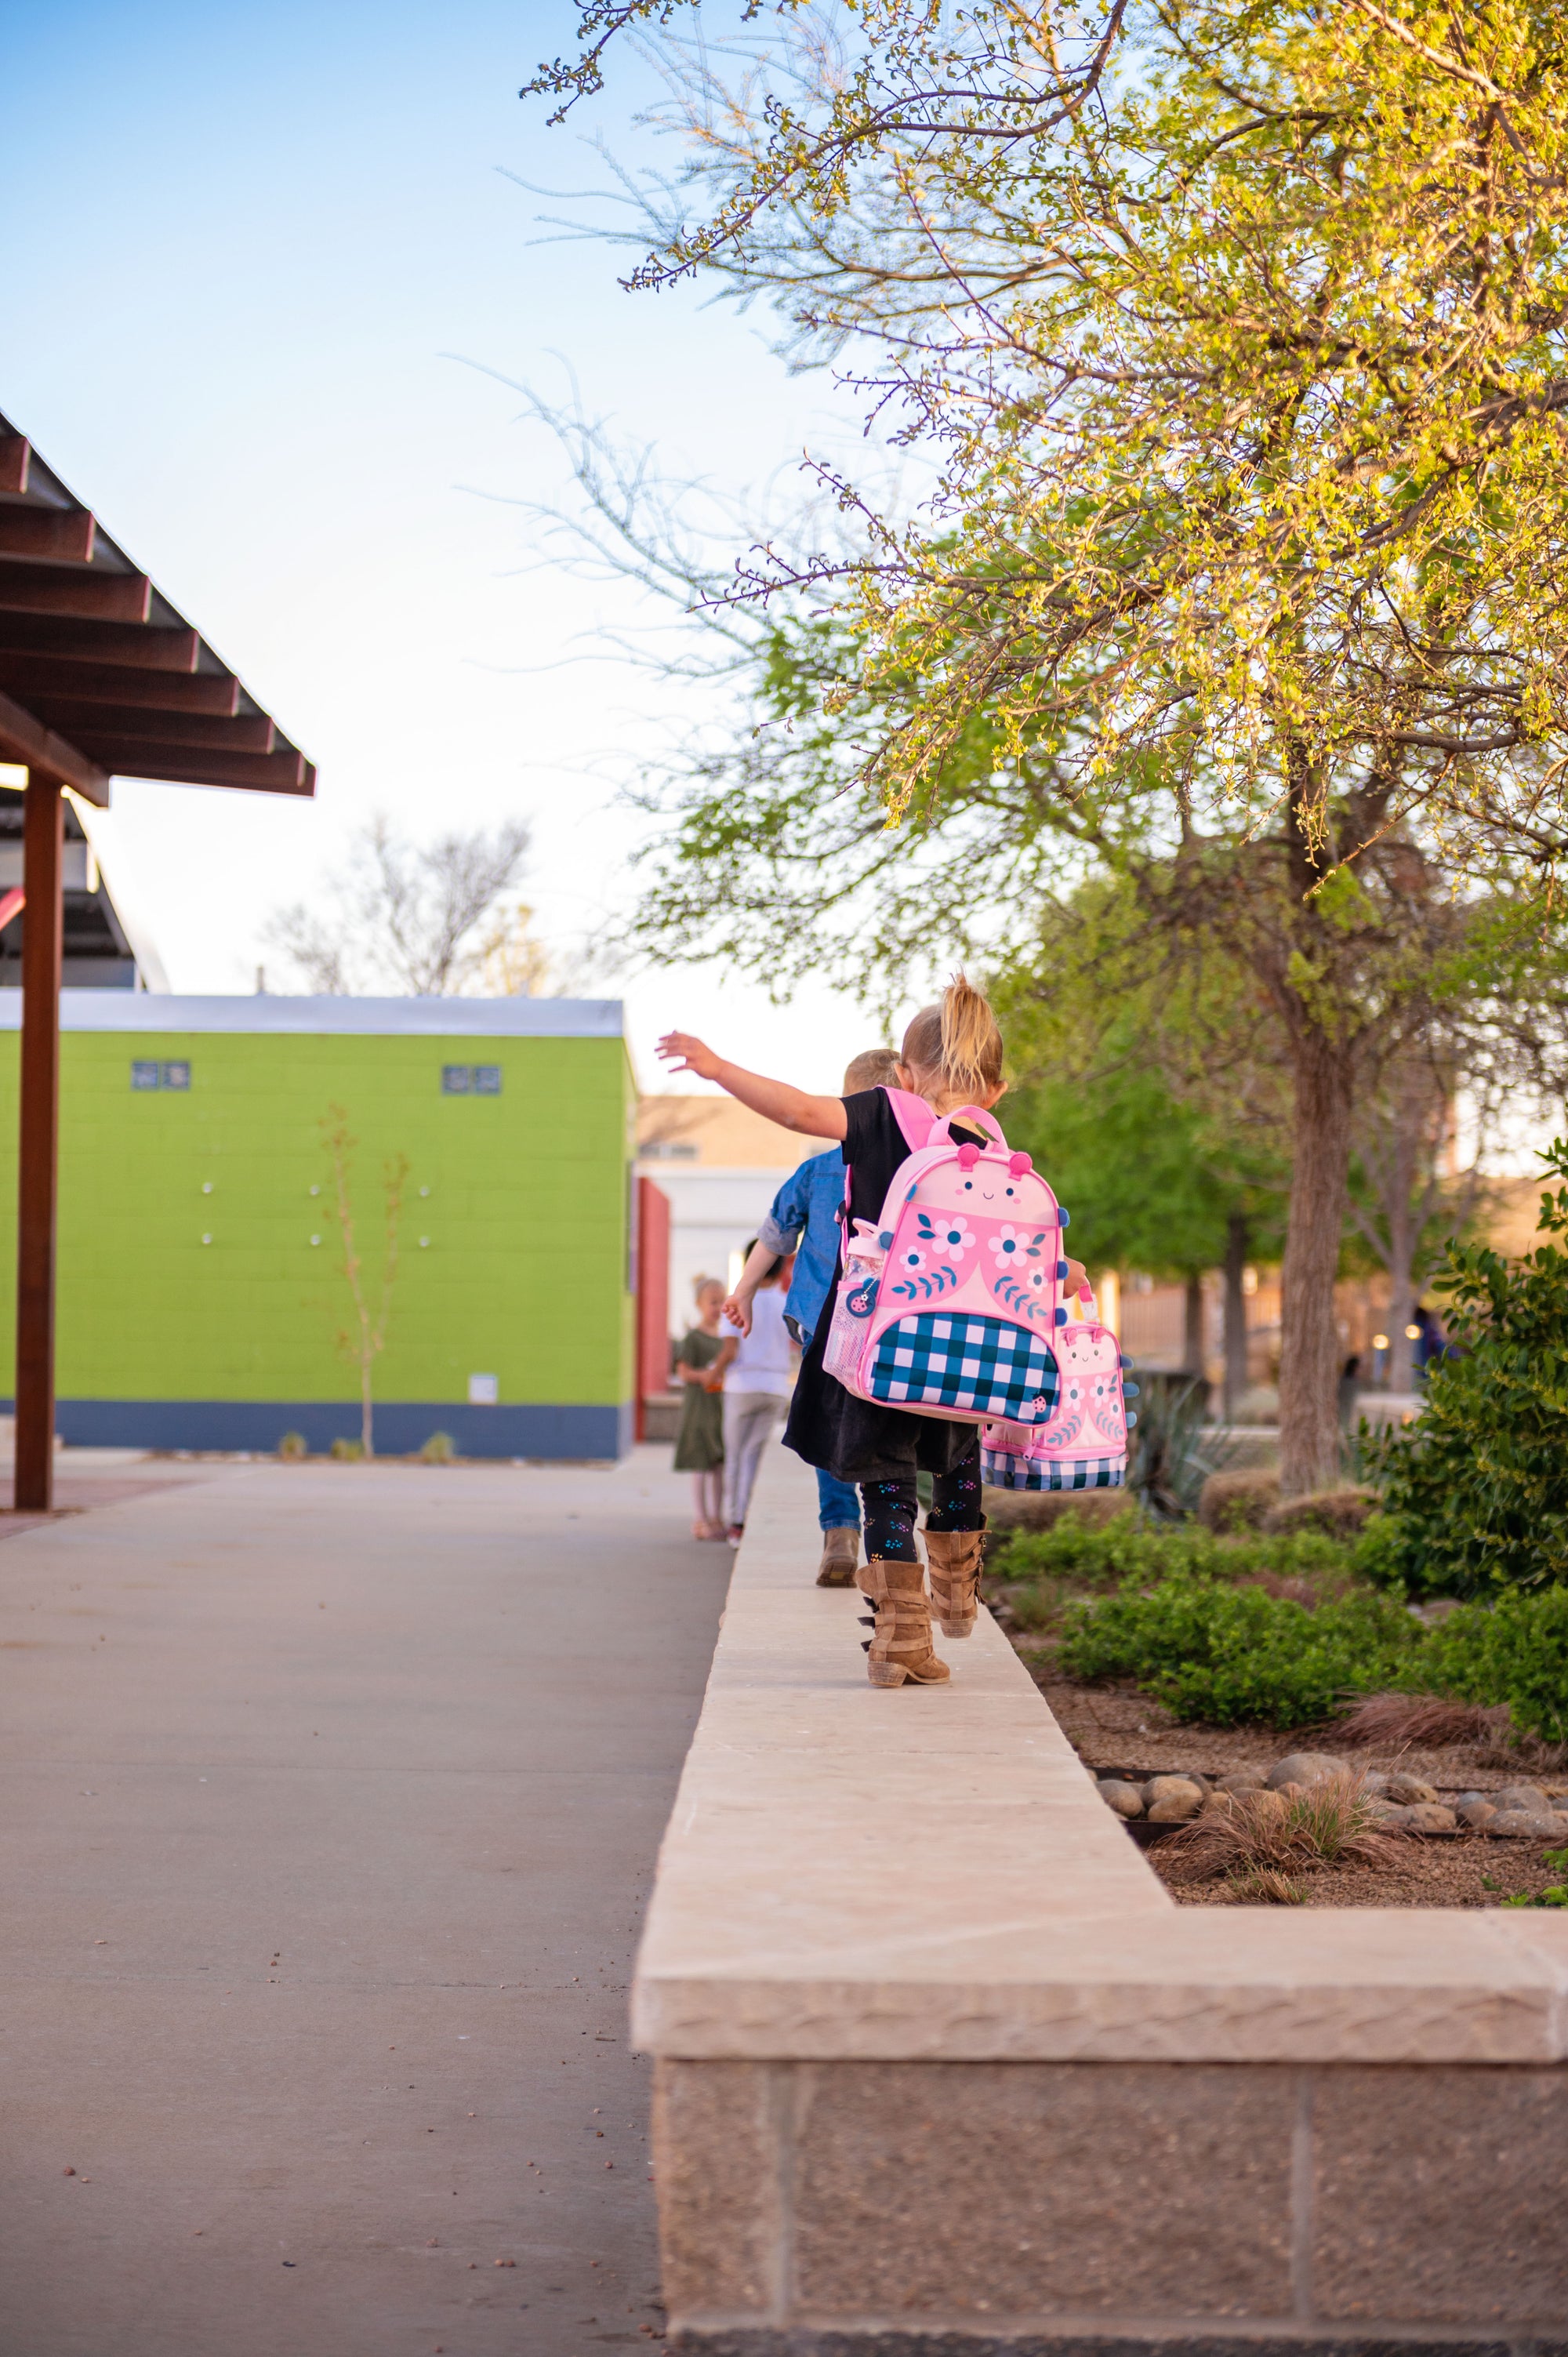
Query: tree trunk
367	1412
1309	1336
1192	1353
1237	1232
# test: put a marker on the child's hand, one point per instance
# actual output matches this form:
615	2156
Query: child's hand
1078	1277
738	1310
685	1053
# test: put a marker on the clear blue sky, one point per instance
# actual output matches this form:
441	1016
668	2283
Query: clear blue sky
243	245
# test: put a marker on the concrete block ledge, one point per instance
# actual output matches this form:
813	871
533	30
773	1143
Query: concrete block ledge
809	2342
940	2069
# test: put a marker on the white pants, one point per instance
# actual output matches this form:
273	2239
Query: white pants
749	1417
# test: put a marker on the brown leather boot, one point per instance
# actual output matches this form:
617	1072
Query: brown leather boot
954	1560
841	1557
901	1645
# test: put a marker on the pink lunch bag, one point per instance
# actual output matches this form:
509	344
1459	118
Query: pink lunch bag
1083	1443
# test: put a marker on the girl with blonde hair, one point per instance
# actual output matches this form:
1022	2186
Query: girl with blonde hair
952	1057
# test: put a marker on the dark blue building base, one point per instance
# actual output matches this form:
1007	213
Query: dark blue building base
554	1433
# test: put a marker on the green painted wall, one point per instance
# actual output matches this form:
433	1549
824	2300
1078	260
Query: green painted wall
522	1198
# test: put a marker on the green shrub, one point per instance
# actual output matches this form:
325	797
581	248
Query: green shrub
1377	1555
1098	1555
1477	1487
1223	1654
1131	1548
1515	1652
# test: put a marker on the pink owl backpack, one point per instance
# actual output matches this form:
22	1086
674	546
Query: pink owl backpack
1082	1444
949	1306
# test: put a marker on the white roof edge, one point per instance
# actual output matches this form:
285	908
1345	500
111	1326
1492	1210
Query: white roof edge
429	1018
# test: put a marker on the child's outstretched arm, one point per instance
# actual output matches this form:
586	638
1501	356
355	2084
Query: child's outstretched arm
790	1108
737	1308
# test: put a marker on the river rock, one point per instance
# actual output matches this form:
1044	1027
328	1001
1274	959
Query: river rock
1117	1795
1409	1790
1306	1768
1389	1817
1522	1796
1171	1800
1476	1814
1375	1784
1242	1779
1429	1817
1528	1824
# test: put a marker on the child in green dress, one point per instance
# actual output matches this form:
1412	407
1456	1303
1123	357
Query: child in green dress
705	1354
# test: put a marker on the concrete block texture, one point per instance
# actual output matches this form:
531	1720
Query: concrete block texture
806	2342
814	2208
984	2188
717	2149
1441	2195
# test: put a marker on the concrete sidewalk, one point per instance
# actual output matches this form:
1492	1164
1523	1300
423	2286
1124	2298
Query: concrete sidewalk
330	1795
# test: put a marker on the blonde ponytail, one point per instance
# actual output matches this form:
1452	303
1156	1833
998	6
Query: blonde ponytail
958	1039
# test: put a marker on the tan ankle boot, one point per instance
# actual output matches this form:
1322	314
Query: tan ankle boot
841	1557
901	1646
954	1560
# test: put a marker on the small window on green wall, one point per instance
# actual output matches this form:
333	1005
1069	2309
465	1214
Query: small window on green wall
470	1080
145	1074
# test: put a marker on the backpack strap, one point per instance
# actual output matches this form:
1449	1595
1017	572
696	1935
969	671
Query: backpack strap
917	1121
914	1117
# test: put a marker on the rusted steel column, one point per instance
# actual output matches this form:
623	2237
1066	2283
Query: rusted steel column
42	932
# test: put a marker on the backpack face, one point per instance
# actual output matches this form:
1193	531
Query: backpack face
1083	1444
950	1307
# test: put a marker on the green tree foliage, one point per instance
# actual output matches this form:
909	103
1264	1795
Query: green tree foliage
1476	1489
1130	1162
1136	1093
1241	380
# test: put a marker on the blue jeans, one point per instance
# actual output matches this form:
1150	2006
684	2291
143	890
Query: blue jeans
838	1504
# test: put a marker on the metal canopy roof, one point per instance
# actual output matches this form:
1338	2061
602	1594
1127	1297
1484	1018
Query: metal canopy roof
98	675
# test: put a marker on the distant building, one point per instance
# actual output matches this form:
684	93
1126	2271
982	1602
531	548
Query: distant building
201	1288
720	1164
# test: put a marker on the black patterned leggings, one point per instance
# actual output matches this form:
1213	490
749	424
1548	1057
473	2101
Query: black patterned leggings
888	1508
